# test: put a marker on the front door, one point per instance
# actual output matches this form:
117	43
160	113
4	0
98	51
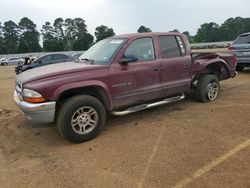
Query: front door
137	81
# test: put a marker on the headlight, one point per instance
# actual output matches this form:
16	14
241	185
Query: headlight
32	96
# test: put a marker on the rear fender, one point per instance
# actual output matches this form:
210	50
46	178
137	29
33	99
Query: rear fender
215	66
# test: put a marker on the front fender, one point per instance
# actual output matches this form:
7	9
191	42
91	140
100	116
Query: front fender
83	84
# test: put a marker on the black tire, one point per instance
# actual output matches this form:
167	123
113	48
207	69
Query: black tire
239	68
207	88
67	112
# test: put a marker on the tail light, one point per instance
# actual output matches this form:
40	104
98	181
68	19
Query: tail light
231	48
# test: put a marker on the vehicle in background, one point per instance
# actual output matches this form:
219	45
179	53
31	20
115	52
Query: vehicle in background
1	60
241	46
119	75
12	61
77	55
42	61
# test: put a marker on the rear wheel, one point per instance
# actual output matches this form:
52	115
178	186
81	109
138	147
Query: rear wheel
81	118
207	88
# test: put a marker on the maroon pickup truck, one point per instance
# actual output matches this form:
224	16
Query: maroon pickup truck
119	75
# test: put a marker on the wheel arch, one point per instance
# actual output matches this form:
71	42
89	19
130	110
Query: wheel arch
218	68
94	91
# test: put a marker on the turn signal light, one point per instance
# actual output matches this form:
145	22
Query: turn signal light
34	100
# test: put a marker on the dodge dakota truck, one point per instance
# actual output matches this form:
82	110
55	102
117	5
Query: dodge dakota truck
119	75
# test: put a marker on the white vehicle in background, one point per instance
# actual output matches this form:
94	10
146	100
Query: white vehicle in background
2	59
12	61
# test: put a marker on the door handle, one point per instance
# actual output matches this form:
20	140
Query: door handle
156	69
187	65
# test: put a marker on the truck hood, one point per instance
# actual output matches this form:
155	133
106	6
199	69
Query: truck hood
55	70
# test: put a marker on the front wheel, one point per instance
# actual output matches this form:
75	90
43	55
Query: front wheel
207	88
81	118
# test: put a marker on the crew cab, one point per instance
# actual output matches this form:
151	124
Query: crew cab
119	75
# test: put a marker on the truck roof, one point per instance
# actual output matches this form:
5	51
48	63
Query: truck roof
148	34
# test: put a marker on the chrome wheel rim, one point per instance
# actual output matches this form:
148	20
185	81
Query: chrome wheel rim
84	120
212	91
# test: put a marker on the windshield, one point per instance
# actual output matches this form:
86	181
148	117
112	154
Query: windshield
103	51
243	39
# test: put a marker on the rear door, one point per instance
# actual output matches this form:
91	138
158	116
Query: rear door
137	81
175	65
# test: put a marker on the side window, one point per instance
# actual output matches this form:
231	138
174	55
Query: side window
169	46
46	59
181	45
142	49
59	57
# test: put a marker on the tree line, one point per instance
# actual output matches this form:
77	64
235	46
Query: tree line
72	34
62	35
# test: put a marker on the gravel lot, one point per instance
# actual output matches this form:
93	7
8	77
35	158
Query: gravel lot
184	144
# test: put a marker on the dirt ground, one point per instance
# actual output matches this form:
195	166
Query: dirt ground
184	144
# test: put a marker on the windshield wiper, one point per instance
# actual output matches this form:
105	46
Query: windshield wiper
91	61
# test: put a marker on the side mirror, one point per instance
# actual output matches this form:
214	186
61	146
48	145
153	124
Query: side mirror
40	61
127	59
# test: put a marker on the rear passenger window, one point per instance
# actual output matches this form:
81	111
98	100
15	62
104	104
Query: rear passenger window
169	46
142	49
181	45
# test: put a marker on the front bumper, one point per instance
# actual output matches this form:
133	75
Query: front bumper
40	112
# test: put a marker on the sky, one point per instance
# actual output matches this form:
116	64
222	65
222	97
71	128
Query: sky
125	16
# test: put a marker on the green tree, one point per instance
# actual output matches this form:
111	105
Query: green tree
247	25
28	36
175	30
232	27
10	33
82	39
72	34
143	29
208	32
102	32
60	31
70	30
50	42
189	37
1	40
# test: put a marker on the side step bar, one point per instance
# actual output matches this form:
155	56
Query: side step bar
146	106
